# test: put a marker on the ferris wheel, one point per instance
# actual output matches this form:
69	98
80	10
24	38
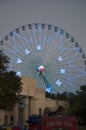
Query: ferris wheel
48	54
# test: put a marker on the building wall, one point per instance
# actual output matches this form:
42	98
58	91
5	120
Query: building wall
51	103
6	117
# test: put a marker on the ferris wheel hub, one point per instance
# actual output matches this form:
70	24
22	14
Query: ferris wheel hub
40	68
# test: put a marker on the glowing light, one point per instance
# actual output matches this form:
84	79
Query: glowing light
58	82
48	89
18	73
38	48
62	71
40	68
19	61
60	58
27	52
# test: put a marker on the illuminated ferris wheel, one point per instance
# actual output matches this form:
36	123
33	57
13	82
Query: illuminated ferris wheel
48	54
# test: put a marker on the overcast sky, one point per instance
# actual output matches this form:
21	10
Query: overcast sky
69	15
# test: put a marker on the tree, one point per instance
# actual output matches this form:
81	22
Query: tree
82	105
10	85
4	60
78	105
62	96
50	95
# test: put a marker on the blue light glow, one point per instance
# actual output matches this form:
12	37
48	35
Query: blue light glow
58	82
27	52
60	58
18	73
38	48
62	71
48	90
19	61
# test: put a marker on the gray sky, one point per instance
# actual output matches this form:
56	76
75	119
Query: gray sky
69	15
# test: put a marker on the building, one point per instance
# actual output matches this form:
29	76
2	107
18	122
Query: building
33	101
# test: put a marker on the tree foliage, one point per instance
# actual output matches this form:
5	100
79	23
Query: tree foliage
4	60
10	85
50	95
78	105
62	96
